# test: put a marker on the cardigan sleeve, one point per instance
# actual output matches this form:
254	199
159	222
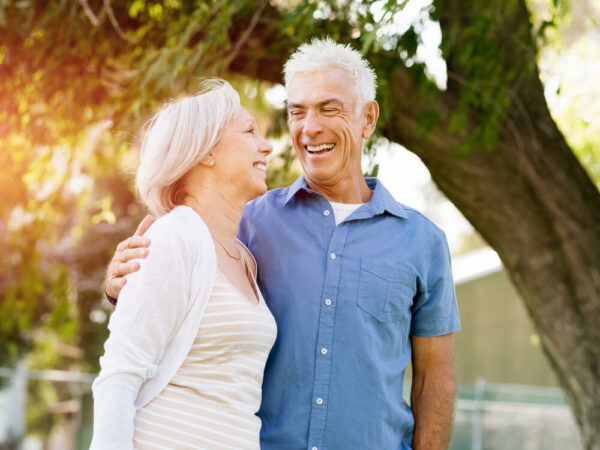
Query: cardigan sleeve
151	307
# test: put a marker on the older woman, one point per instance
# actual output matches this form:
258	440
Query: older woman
183	364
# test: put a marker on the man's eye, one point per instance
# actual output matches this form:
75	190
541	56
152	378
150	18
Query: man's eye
295	113
329	110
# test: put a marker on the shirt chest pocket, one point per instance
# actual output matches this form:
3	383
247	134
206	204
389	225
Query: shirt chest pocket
386	291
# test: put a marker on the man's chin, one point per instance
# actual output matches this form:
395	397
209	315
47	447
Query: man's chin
324	180
318	172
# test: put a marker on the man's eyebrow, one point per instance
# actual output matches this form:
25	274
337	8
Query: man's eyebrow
330	100
293	105
321	103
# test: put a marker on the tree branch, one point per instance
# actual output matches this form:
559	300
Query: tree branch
89	13
115	23
246	34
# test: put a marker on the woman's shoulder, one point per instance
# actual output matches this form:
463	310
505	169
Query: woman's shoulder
181	229
182	220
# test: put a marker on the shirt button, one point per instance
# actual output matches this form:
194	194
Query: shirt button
323	351
319	401
332	256
314	448
328	302
326	212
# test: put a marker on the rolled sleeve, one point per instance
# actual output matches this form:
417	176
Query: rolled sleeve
435	311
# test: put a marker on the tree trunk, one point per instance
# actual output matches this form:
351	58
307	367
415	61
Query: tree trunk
535	205
528	196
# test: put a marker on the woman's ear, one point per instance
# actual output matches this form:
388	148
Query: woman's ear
208	160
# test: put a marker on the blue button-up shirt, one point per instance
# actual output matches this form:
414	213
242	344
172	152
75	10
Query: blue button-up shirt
346	299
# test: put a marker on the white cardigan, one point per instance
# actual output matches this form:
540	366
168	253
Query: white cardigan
154	325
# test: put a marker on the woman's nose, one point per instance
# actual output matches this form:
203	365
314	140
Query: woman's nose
266	147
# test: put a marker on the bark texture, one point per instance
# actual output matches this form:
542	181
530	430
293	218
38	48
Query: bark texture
535	205
528	196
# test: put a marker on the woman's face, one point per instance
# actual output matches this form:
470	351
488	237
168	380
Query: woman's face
240	156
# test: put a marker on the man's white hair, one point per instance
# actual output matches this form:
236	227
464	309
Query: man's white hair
177	138
325	53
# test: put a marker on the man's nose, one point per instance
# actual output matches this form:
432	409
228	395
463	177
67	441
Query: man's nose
312	124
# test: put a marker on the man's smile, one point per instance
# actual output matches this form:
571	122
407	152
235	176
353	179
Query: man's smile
323	148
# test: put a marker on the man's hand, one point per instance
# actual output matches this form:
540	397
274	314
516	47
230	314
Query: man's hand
433	391
131	248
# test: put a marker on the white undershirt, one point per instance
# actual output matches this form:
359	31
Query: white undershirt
343	210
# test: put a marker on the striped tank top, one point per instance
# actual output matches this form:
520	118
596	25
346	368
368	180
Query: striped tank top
211	401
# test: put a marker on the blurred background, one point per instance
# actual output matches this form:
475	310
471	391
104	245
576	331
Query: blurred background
79	78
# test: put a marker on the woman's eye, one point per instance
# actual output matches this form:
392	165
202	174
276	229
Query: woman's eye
250	130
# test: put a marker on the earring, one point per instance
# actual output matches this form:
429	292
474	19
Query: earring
211	163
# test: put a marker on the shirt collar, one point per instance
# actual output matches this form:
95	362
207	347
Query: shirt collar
299	184
381	200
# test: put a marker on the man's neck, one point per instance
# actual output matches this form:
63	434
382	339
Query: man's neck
346	191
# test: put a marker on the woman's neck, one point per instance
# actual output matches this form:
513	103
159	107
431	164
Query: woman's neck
221	213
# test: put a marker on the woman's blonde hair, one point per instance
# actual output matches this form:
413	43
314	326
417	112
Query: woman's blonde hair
177	138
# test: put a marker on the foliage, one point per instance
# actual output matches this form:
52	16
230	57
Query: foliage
68	177
77	79
569	65
63	89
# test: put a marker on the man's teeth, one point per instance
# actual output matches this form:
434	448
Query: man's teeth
261	166
318	148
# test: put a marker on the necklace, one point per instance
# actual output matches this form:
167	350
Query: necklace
237	258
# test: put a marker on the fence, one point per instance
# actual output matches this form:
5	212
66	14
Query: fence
488	416
72	432
492	416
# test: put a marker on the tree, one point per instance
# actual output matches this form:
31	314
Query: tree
488	139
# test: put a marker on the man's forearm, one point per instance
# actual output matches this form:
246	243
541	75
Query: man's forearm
432	404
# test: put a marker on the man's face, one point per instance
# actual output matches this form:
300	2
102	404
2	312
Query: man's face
326	131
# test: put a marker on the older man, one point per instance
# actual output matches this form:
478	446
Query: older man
358	283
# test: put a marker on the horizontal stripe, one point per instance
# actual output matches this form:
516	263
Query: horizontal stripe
185	441
198	430
148	444
234	343
212	399
214	387
182	397
169	413
224	372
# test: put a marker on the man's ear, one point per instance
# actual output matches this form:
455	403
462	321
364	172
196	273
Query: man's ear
371	112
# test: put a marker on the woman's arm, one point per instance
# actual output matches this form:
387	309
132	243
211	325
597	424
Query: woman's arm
114	412
154	302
